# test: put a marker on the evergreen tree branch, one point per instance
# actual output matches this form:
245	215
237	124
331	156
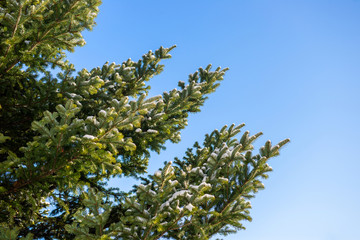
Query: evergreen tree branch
59	136
14	31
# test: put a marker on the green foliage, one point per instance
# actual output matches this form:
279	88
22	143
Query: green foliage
63	137
90	222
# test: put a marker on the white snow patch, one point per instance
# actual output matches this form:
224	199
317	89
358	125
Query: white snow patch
87	136
197	170
206	196
182	193
115	101
189	207
157	173
223	179
202	185
152	193
152	131
140	219
102	112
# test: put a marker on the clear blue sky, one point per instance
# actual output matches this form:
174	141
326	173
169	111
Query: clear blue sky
294	73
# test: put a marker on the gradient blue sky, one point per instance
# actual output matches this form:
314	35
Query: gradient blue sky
294	73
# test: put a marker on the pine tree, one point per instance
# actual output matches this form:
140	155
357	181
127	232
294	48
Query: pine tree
63	137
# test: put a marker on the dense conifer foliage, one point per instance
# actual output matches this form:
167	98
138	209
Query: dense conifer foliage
63	137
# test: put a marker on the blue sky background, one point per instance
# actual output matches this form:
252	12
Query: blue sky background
294	73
